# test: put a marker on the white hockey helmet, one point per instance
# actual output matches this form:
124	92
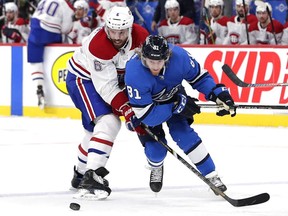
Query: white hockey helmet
11	7
215	3
119	18
240	2
262	6
171	4
81	4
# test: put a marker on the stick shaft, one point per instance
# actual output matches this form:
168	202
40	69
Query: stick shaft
235	79
244	106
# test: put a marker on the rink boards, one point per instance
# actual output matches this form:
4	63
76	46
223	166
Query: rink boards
255	64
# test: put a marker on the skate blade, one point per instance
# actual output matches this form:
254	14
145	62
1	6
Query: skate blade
83	194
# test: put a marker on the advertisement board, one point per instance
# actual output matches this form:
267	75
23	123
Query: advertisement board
252	64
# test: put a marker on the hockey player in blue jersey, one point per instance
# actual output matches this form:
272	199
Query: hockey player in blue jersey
154	84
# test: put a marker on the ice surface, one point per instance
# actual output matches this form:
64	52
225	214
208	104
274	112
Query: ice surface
37	157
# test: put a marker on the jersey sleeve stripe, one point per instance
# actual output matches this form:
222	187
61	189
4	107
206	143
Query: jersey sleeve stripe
78	69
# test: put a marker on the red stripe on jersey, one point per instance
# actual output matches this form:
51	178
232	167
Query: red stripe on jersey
80	67
85	99
139	35
186	21
100	40
82	150
106	142
21	21
36	73
70	5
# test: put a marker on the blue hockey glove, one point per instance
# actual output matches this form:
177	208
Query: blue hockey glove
186	106
221	96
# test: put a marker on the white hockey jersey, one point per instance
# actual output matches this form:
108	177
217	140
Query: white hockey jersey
99	61
182	32
237	33
284	40
259	35
81	29
20	25
55	15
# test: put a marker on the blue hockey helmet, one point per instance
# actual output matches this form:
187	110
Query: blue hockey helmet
155	47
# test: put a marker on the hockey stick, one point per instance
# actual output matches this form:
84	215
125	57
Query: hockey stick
246	21
244	106
201	20
207	21
272	24
257	199
233	77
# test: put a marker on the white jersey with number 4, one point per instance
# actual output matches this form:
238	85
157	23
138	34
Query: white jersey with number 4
237	32
55	15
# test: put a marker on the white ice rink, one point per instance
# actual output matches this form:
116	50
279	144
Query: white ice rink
37	157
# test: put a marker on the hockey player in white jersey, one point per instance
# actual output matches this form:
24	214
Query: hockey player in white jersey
284	40
265	31
214	29
177	29
95	84
15	29
237	25
83	24
51	19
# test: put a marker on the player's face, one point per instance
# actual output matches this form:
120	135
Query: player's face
215	11
79	13
10	15
262	16
173	13
155	66
118	37
240	10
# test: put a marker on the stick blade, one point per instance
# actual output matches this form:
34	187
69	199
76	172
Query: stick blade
254	200
232	76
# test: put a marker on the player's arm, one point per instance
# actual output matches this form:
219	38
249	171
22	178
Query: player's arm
202	81
105	81
67	13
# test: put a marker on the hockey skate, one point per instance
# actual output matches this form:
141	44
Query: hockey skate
215	180
40	95
92	187
77	177
156	178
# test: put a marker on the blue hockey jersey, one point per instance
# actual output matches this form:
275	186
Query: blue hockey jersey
152	96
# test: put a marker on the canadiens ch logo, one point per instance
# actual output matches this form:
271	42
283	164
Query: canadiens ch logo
97	65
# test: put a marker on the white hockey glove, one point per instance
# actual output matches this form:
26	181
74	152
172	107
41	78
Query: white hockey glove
221	96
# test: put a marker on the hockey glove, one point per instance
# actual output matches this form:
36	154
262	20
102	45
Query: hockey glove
12	34
208	33
186	106
222	97
132	122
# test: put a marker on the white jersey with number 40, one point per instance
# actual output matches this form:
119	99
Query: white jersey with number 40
55	15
